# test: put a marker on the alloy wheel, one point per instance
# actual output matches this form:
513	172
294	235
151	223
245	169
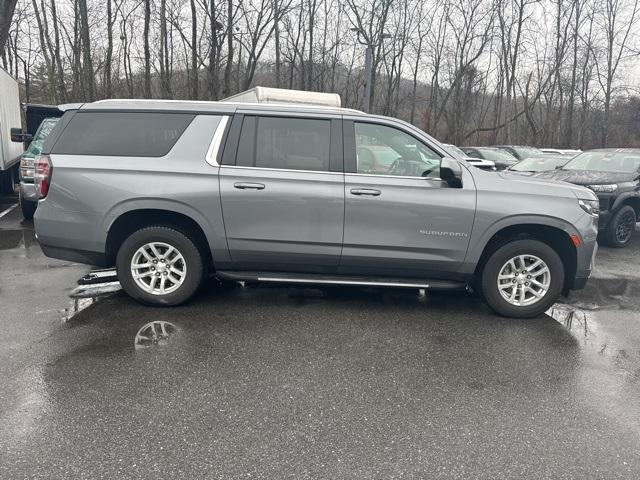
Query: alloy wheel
158	268
524	280
625	227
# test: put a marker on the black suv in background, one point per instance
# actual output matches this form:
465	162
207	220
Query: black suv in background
614	175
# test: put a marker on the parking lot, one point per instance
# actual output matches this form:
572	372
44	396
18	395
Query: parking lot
278	382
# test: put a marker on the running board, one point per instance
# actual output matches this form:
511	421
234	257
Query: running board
303	278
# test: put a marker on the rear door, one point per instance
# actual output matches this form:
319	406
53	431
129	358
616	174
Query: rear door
282	189
401	219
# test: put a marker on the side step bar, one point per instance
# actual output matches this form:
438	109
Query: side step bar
304	278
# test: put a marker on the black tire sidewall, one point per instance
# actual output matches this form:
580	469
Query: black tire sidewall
501	256
610	235
177	239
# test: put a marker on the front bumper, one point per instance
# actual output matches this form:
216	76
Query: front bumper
607	201
582	273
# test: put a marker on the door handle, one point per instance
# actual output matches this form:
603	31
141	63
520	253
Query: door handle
249	186
365	191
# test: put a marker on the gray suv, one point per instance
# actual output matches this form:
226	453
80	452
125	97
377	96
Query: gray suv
170	192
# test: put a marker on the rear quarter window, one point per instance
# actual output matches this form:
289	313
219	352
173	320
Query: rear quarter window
130	134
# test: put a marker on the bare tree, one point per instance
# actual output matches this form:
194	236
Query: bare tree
7	8
617	18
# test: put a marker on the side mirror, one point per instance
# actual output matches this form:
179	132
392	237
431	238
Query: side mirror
451	172
18	136
559	167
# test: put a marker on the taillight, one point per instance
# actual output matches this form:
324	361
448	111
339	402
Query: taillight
26	168
42	176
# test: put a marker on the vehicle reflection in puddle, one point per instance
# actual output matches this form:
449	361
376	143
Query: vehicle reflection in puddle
77	305
85	295
154	333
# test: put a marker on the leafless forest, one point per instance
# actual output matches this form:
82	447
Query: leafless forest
544	72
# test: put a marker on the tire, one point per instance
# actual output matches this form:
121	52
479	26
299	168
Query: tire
28	208
531	251
185	257
621	227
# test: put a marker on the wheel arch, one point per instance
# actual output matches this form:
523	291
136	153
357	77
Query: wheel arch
553	235
130	221
631	199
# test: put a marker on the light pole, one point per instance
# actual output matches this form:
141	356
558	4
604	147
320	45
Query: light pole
368	66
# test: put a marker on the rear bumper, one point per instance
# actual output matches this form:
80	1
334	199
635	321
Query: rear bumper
76	256
28	192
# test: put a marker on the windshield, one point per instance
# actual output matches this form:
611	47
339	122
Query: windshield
607	161
539	164
497	155
526	152
35	147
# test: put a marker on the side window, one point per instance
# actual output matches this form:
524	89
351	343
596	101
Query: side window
285	143
134	134
383	150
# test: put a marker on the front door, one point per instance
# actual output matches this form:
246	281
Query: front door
400	218
283	199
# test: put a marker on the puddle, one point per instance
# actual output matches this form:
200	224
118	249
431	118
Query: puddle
154	333
572	318
77	305
591	327
85	295
622	293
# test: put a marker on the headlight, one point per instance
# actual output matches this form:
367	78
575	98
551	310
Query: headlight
604	188
26	167
592	207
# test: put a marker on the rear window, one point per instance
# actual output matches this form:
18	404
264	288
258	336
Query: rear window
130	134
285	143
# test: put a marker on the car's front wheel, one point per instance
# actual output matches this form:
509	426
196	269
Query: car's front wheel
522	279
621	227
159	265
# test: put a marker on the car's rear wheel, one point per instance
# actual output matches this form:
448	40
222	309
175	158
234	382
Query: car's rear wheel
621	227
159	265
522	279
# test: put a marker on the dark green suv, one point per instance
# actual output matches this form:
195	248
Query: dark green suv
28	197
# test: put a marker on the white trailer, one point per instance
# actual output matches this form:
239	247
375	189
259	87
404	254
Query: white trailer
9	118
282	95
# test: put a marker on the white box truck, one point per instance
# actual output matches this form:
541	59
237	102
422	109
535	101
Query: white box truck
9	118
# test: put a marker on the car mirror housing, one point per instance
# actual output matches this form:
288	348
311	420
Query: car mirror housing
19	136
451	172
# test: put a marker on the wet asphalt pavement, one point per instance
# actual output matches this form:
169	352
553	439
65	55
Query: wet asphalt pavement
271	382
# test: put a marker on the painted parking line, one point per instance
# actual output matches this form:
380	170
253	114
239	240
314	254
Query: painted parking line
8	210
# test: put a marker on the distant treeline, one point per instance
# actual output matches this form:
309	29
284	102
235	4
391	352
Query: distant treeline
556	73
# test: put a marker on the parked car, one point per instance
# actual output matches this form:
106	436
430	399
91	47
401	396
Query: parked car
28	197
499	157
561	151
171	191
614	175
520	152
532	165
457	152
